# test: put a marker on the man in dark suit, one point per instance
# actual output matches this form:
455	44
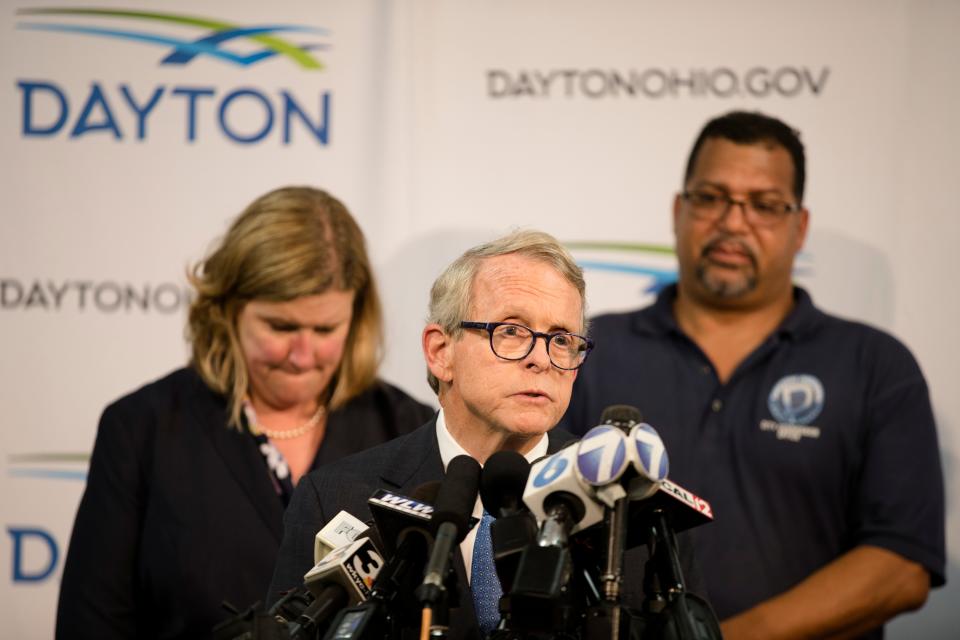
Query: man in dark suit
499	387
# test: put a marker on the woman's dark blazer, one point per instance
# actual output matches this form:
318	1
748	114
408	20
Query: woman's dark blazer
180	513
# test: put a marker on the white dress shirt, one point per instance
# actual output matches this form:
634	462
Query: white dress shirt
450	449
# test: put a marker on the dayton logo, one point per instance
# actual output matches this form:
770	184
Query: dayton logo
127	110
214	36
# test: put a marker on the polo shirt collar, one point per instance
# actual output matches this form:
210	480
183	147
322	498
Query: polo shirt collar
658	319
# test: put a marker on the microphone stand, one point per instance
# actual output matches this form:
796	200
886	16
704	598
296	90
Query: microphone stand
677	614
616	524
330	600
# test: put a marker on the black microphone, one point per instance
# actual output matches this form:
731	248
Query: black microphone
406	523
622	416
396	515
450	523
502	481
540	598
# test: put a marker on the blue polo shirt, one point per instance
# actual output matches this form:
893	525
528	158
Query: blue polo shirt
822	439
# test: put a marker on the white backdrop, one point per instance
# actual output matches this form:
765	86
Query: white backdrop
440	124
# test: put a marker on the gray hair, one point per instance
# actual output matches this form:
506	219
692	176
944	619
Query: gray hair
452	292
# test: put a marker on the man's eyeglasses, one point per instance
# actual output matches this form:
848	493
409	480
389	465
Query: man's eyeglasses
759	211
511	341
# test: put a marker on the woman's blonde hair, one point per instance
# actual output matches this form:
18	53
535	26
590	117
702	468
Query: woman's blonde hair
289	243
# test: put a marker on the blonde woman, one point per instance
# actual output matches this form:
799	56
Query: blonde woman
190	474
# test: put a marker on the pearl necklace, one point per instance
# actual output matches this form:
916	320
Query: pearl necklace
287	434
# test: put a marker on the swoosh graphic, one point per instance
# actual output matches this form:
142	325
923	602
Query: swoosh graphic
661	277
622	246
48	474
184	50
188	50
277	45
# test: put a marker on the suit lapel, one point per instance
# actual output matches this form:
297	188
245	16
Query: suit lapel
416	460
240	457
557	439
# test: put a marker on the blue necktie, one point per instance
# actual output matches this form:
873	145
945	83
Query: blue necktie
484	582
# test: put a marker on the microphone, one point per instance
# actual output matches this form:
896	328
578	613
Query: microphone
596	479
342	529
623	451
395	515
642	468
353	566
450	523
502	481
650	491
343	577
554	480
621	416
403	525
610	459
585	474
653	505
564	503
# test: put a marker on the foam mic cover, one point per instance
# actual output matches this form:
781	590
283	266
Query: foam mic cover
457	495
622	416
450	523
502	481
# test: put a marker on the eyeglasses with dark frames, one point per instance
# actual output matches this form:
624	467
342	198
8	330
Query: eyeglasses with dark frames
511	341
758	210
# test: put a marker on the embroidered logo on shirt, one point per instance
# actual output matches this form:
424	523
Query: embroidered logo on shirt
795	401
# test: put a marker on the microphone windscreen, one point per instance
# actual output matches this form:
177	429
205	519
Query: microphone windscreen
623	416
502	481
457	495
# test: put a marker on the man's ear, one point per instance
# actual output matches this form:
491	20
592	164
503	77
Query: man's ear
438	352
677	205
803	225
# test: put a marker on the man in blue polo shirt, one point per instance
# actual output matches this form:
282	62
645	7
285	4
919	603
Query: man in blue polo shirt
812	436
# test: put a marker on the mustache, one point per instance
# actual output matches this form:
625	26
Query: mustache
713	243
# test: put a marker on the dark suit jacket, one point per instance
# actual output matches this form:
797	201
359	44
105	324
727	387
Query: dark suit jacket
179	511
401	465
